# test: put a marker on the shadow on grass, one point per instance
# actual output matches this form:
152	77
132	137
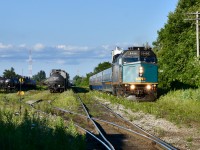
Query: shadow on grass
35	133
175	85
80	89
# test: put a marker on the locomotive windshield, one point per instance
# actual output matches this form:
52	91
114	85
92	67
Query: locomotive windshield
139	55
148	59
130	60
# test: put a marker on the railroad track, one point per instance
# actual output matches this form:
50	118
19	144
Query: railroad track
109	130
120	133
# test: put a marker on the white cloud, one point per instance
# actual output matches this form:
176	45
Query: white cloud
22	45
3	46
60	61
72	48
38	47
4	56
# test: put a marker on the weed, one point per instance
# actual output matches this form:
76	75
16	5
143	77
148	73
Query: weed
189	139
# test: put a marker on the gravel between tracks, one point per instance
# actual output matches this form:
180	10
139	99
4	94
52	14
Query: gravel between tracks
179	136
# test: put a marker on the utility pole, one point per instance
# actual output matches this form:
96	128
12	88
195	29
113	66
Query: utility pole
30	64
197	28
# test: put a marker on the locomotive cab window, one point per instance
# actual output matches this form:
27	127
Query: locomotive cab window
130	59
148	59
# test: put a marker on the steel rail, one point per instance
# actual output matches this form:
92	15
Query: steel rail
110	145
127	129
134	132
91	134
138	127
70	112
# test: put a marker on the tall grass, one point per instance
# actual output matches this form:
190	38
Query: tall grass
180	107
32	130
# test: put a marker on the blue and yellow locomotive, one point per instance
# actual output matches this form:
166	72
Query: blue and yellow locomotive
134	74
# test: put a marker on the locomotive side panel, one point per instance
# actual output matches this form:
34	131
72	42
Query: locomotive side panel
116	74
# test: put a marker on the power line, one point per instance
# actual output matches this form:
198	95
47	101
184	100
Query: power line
197	27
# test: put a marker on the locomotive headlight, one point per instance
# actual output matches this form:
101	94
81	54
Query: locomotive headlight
141	71
132	87
148	87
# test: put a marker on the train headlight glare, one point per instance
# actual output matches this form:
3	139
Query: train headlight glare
132	87
148	87
141	70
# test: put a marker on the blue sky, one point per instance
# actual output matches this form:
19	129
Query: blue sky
74	35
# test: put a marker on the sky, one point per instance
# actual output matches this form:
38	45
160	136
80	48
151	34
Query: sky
74	35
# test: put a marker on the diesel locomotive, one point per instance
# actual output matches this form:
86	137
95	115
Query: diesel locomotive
134	74
58	81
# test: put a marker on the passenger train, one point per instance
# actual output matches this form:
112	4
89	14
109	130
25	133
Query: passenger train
134	74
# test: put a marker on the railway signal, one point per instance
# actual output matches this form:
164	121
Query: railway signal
20	93
21	80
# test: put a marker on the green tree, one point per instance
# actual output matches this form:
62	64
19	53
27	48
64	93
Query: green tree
9	73
40	76
84	81
102	66
176	48
77	80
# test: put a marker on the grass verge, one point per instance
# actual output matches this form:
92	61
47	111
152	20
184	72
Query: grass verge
180	107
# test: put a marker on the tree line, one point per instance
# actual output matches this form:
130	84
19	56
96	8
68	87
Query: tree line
176	48
10	73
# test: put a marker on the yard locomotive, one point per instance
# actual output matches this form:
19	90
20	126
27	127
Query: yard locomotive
58	81
134	74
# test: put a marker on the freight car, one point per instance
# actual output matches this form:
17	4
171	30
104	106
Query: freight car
134	74
14	84
58	81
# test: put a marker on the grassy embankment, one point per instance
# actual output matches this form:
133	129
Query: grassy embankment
179	107
32	130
